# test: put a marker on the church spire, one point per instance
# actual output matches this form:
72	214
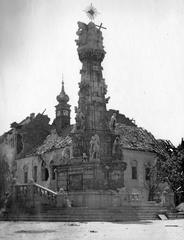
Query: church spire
62	88
62	110
62	97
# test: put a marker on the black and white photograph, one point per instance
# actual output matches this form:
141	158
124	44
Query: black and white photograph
91	119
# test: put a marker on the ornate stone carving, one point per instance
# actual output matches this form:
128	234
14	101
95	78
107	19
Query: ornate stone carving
113	122
94	146
96	55
89	36
107	99
80	120
116	149
85	157
84	84
82	33
104	88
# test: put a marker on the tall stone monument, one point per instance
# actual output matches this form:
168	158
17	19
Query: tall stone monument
97	162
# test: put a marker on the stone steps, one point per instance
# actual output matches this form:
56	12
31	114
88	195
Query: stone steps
125	213
178	215
76	218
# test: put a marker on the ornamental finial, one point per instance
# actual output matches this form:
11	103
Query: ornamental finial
62	89
91	12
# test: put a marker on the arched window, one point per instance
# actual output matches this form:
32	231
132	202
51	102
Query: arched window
134	169
45	172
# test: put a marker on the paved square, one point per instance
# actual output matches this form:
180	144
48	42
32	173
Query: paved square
144	230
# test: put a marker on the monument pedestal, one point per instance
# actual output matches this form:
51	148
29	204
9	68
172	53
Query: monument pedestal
95	175
98	199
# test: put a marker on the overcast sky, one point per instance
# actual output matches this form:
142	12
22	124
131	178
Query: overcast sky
143	67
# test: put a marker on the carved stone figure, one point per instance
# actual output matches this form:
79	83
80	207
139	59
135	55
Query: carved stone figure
94	146
113	122
80	120
92	36
116	149
85	157
82	33
100	40
61	191
89	36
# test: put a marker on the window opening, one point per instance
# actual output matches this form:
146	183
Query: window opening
35	173
134	172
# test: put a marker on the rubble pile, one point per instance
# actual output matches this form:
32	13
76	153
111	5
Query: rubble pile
53	141
136	138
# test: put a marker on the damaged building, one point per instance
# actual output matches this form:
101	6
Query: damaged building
103	151
35	149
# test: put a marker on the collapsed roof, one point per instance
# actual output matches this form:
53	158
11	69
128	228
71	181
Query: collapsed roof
37	140
53	141
131	137
136	138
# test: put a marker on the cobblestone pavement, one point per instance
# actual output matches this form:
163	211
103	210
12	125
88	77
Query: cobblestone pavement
142	230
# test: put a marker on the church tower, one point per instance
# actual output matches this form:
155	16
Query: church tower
62	111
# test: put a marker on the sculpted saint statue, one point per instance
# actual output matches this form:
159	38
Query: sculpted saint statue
94	146
116	149
80	120
113	122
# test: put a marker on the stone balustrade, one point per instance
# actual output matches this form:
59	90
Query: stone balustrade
46	193
134	197
22	189
96	199
34	194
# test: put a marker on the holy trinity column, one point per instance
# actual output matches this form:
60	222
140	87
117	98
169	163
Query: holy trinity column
97	158
92	88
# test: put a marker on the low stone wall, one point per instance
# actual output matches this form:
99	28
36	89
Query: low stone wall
97	200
